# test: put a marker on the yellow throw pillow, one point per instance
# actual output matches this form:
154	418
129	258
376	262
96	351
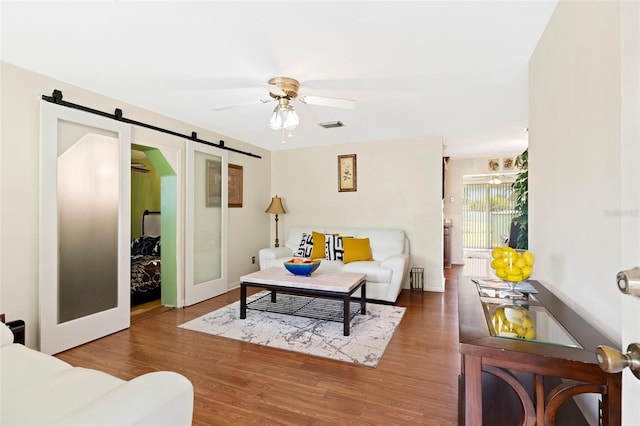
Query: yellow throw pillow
356	249
317	252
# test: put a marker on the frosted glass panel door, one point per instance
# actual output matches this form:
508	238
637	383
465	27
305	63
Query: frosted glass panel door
87	210
208	218
206	224
84	227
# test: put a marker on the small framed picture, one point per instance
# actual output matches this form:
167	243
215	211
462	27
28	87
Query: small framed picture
494	165
507	163
235	185
347	173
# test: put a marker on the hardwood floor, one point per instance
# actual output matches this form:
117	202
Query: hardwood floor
240	383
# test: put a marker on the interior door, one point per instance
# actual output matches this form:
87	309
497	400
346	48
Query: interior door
84	227
206	227
630	182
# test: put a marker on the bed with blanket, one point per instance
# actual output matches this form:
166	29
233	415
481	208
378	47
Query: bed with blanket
145	261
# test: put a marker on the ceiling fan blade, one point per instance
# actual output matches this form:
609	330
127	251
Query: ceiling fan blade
261	101
328	102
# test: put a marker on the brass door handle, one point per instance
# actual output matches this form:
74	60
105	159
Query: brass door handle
613	361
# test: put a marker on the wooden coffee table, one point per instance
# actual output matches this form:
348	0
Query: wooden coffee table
320	284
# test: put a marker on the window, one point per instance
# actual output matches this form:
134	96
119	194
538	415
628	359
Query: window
487	211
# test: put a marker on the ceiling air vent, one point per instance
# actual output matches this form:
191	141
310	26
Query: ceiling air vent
332	124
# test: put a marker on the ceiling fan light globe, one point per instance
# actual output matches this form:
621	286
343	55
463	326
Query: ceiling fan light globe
276	120
292	120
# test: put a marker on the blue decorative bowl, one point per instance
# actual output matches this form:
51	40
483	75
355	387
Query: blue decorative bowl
306	268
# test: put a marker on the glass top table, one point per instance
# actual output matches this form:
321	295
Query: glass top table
528	322
521	317
514	341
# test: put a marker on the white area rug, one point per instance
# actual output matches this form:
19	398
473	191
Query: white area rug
369	337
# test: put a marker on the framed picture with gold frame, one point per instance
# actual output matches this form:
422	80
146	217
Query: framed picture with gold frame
235	185
347	173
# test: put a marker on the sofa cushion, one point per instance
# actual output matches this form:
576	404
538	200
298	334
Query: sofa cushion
331	265
318	245
333	249
343	232
306	246
356	249
374	272
384	242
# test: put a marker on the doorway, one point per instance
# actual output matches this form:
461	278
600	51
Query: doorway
146	242
154	263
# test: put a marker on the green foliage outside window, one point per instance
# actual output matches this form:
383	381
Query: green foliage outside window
496	203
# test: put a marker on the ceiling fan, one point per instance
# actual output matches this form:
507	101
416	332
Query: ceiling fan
286	87
139	167
284	90
136	164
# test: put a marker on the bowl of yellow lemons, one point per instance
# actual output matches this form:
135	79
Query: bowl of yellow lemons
512	265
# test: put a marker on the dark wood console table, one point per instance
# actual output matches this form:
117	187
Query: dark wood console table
528	373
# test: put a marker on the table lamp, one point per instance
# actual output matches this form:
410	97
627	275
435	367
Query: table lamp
276	208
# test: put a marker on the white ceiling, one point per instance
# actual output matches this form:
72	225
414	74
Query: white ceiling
451	68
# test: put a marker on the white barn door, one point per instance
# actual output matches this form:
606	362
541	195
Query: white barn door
206	223
85	200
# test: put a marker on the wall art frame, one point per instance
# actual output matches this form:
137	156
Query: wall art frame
347	173
235	185
508	163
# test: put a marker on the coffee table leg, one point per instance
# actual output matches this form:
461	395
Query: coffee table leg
363	299
273	296
346	314
243	301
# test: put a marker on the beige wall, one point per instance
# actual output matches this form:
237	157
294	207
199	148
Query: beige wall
583	179
399	186
574	155
21	91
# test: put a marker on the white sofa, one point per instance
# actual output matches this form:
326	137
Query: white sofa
386	273
39	389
